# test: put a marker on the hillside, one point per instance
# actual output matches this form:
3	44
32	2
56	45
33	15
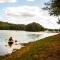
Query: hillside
44	49
34	27
29	27
11	26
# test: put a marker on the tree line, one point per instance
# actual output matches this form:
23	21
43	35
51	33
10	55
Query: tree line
29	27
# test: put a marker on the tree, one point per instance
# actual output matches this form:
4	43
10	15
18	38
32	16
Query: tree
10	26
54	7
58	21
34	27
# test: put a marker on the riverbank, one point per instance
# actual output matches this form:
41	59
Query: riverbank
44	49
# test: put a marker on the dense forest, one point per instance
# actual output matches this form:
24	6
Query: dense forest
29	27
34	27
10	26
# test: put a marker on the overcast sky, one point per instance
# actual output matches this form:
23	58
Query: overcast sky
26	11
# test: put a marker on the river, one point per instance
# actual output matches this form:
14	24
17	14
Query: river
21	37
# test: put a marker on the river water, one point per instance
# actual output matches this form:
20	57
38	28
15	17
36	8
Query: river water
21	37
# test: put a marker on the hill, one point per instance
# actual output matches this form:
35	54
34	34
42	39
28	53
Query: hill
44	49
29	27
34	27
11	26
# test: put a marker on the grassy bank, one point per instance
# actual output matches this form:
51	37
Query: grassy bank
44	49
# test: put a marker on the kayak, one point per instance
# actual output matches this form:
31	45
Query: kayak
10	43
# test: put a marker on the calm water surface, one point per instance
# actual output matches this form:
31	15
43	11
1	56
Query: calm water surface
21	37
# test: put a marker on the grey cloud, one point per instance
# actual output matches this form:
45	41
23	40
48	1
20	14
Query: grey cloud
27	15
22	15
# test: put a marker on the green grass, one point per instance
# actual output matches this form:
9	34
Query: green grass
44	49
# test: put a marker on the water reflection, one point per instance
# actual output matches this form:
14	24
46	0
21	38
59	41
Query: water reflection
8	49
33	36
19	37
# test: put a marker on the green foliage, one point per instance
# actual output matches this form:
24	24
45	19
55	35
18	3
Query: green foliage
30	27
58	21
9	26
54	7
34	27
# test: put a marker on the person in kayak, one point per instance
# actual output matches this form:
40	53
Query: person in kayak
11	41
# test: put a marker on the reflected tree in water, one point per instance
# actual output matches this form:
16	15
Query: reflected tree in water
33	36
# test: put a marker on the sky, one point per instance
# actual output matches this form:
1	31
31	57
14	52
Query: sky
27	11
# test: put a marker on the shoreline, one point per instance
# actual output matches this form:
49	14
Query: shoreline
28	49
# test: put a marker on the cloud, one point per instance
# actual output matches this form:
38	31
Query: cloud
7	1
28	14
30	0
22	14
22	11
